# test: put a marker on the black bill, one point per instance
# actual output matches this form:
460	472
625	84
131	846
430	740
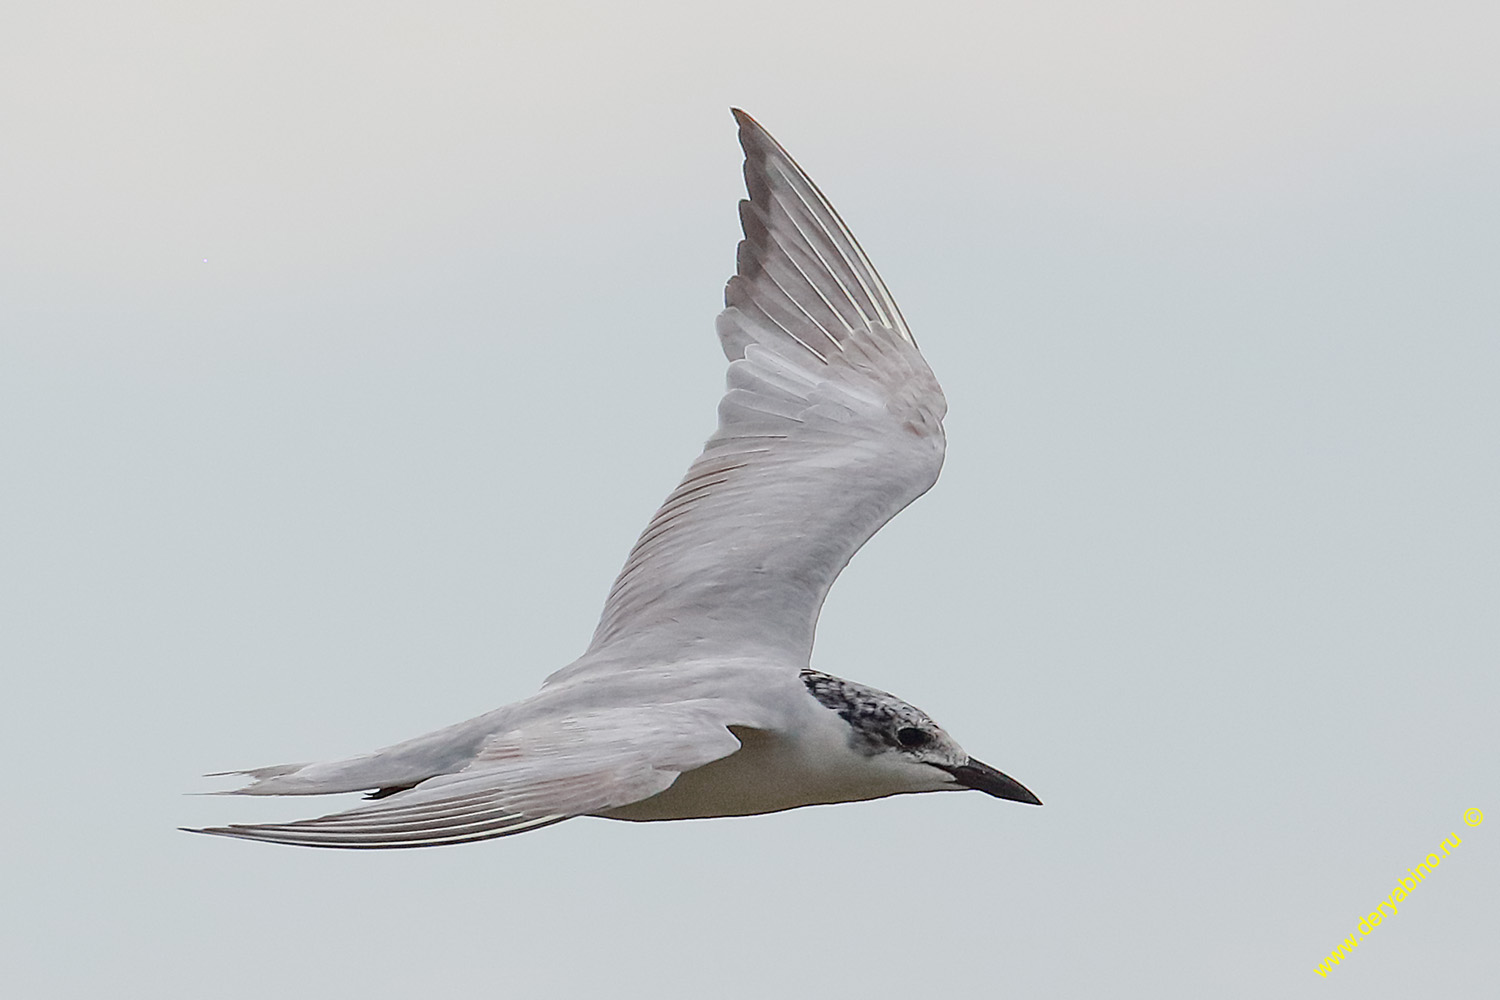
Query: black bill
983	778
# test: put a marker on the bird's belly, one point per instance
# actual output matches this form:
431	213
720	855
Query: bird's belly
768	773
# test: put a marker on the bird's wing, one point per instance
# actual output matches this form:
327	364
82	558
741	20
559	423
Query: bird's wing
831	424
527	778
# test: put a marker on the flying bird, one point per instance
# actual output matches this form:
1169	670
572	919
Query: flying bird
696	697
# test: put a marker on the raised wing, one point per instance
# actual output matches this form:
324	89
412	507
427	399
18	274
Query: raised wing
524	779
831	424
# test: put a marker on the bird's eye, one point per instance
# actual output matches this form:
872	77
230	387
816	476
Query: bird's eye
912	738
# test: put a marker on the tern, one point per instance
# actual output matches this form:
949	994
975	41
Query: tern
696	696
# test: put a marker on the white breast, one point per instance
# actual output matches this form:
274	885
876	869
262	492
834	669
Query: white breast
811	762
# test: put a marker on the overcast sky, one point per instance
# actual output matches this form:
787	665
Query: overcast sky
346	347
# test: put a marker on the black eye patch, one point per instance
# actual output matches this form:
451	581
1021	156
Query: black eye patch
912	738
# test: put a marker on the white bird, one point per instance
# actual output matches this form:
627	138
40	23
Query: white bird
695	697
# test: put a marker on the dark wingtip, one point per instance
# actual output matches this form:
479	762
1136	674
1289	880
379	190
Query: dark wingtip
754	138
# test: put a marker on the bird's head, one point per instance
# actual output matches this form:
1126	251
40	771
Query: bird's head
903	738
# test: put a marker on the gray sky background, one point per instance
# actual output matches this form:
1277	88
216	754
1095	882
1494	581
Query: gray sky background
345	349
